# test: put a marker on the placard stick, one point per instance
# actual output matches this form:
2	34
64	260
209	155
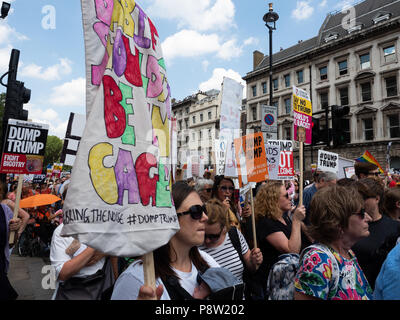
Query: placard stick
253	219
11	239
148	271
301	174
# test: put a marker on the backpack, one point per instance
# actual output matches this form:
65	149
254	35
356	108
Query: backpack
253	289
280	284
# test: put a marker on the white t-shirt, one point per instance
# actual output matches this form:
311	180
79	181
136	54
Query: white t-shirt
227	256
58	256
129	282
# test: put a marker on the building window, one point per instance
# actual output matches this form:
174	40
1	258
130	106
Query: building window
209	134
366	92
344	96
300	76
275	84
187	110
368	129
287	80
323	98
389	53
201	117
200	135
187	139
254	90
209	115
323	73
288	133
264	87
288	105
194	119
394	125
180	125
342	67
365	62
346	130
186	123
194	136
254	112
391	86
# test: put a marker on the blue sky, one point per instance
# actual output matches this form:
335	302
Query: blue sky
202	40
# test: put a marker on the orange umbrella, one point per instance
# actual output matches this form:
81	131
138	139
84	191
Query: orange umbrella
38	200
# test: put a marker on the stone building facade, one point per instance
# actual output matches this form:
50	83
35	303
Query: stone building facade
354	61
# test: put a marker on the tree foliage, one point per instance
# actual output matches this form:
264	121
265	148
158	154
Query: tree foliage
53	150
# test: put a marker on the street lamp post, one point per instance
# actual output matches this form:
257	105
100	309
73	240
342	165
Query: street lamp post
270	19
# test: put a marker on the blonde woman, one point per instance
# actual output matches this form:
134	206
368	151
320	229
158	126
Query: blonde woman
277	233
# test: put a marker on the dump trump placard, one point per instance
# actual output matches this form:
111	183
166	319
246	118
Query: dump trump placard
24	147
251	159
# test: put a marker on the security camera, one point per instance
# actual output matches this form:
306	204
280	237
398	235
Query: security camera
5	7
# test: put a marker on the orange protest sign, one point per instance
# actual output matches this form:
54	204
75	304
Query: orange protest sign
251	158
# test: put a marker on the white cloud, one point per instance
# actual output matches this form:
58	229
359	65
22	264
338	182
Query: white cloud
190	43
251	41
7	33
48	116
205	65
218	76
323	3
5	59
69	94
53	72
303	10
198	15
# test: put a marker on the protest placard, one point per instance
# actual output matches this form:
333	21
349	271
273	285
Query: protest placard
231	104
328	161
251	159
286	164
273	153
24	147
302	114
119	200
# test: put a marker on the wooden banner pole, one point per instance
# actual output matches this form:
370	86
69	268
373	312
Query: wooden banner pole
11	239
253	219
301	173
148	271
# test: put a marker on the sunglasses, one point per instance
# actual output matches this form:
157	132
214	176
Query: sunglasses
361	213
196	212
208	190
213	237
376	174
225	188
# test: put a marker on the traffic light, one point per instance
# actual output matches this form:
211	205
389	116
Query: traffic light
16	94
315	131
340	125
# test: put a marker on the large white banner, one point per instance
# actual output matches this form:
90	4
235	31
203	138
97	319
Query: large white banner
231	104
119	199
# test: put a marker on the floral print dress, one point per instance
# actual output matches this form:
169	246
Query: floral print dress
317	276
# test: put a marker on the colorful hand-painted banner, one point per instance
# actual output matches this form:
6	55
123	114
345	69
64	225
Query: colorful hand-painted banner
302	114
24	147
119	200
251	159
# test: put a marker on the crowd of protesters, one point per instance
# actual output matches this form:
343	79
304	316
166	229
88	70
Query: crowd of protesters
344	235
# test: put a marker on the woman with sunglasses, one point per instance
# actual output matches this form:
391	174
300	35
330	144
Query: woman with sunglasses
371	251
277	233
177	261
329	270
223	190
218	242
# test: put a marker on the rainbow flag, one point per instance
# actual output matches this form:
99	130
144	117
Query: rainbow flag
368	157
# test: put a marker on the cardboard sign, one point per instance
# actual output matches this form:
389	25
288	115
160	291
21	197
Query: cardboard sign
273	153
24	147
119	200
328	161
302	114
251	159
286	164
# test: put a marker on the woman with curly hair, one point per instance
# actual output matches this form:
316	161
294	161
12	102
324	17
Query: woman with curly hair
277	233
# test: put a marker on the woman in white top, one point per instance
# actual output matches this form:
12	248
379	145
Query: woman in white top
178	259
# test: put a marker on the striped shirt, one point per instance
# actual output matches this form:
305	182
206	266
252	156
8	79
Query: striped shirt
227	256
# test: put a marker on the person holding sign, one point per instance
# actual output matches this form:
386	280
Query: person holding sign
277	233
223	190
178	262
